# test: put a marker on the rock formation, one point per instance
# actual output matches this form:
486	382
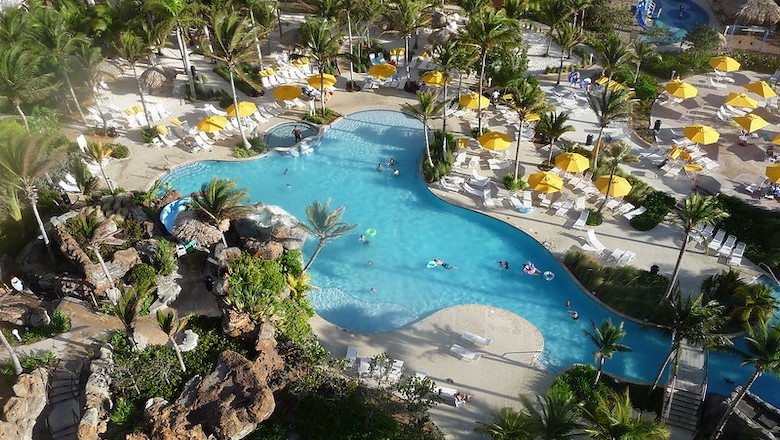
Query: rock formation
97	397
23	310
271	223
22	410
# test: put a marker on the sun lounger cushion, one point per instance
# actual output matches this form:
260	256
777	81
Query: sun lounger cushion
464	353
476	339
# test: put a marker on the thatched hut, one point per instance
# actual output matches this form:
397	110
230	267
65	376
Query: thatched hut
750	12
157	77
188	226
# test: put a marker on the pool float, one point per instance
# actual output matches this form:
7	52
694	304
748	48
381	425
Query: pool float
549	275
530	269
370	232
431	264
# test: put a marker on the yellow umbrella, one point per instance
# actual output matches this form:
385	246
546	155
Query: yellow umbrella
328	80
495	141
435	78
724	64
382	71
760	88
741	100
531	117
287	92
161	129
750	122
773	172
545	182
680	89
212	124
618	187
776	140
572	162
474	101
701	134
245	108
693	167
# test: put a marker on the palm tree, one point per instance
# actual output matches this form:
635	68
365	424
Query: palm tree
97	152
578	7
518	9
322	43
696	211
14	357
132	48
557	415
325	225
693	321
486	30
405	18
613	419
643	51
607	341
126	309
366	13
95	233
617	153
567	36
21	80
609	106
231	44
25	159
507	424
763	353
552	126
220	201
553	13
90	59
614	55
427	108
527	98
13	26
448	56
171	327
758	304
471	7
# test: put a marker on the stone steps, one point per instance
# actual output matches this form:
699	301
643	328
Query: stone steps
64	411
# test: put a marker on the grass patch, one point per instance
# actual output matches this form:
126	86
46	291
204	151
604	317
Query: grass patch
60	323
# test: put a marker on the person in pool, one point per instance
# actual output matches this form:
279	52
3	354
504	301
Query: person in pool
379	166
443	264
530	269
574	315
391	162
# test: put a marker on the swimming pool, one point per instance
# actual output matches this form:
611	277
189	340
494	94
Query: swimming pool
281	135
680	16
413	227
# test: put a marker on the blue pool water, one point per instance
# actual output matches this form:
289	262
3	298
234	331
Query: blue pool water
680	21
414	227
281	135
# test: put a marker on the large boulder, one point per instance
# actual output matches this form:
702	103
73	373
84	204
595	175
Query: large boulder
22	410
23	310
267	250
69	247
238	324
269	222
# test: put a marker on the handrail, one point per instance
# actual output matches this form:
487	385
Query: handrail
770	271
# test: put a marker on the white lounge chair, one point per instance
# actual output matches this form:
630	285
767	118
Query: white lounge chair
516	203
616	255
471	190
564	208
487	199
460	158
594	242
478	180
528	201
446	184
728	246
634	213
579	224
736	255
464	353
364	367
475	339
702	234
627	257
717	240
68	187
211	110
351	356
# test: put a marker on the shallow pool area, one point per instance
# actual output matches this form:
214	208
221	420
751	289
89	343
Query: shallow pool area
281	135
385	283
680	16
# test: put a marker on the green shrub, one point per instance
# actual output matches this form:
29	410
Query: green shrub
124	413
254	286
149	299
475	131
242	85
320	418
314	119
271	429
291	261
658	204
579	381
703	38
142	276
758	62
60	323
119	151
29	363
143	374
595	217
257	147
441	165
294	323
225	101
211	343
510	184
148	134
165	260
758	228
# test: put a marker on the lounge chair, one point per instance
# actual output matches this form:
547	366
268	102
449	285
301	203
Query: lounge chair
627	257
579	224
478	180
487	199
516	203
579	203
496	164
364	367
625	208
546	201
616	255
736	255
68	187
351	356
211	110
564	208
460	158
702	234
717	240
445	184
475	339
593	245
728	246
464	353
527	201
634	213
471	190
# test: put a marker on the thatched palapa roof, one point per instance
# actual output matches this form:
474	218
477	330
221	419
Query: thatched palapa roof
751	12
189	226
157	76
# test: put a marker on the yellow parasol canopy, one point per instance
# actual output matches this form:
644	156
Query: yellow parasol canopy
760	88
328	80
693	167
495	141
741	100
212	123
572	162
382	71
776	140
287	92
724	64
618	187
163	130
545	182
773	172
701	134
680	89
245	108
750	122
531	117
435	78
474	101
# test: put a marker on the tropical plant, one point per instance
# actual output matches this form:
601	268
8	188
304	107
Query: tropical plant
471	7
527	99
96	231
325	225
553	13
606	338
96	152
26	158
556	417
14	357
614	55
320	42
133	48
696	211
126	309
427	108
617	153
21	78
486	30
507	424
231	44
568	37
172	326
758	304
299	284
220	201
552	126
643	51
613	419
609	106
518	9
449	56
763	353
405	18
90	59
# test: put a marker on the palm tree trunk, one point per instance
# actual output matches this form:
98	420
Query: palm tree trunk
103	266
552	143
257	40
722	424
73	95
32	197
351	51
427	142
609	187
141	95
444	123
177	350
103	172
560	69
481	86
185	58
91	86
320	245
247	145
517	151
636	72
602	359
24	117
663	367
676	271
596	151
14	358
322	88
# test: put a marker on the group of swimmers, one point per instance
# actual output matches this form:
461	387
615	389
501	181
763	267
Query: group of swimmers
390	164
573	313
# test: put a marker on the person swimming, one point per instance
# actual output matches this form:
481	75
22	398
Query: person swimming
396	172
391	162
379	166
574	315
530	269
443	264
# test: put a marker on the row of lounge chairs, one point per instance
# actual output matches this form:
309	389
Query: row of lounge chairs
594	245
713	240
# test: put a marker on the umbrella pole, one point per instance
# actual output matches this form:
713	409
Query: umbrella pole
517	151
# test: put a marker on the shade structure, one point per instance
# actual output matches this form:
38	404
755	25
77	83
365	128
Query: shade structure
701	134
328	80
157	76
680	89
724	64
532	117
545	182
741	100
693	167
245	108
776	140
474	101
287	92
495	141
382	71
618	187
572	162
750	122
435	78
760	88
773	172
212	123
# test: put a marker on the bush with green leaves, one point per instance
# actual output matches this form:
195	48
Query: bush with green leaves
595	217
703	38
579	381
241	85
314	119
142	276
119	151
510	184
757	62
441	165
29	363
291	261
758	228
165	260
148	134
211	343
60	323
257	147
255	285
658	205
